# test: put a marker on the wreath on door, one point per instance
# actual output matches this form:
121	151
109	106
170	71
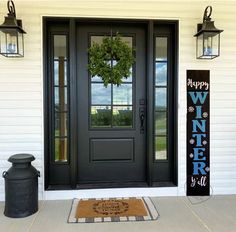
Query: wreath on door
111	60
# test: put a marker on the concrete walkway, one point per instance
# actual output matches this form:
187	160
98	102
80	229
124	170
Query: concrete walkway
177	214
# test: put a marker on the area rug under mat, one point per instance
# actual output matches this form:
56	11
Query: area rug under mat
112	210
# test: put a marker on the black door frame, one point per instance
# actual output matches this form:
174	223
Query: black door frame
71	169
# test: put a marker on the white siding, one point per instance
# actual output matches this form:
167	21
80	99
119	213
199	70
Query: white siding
21	80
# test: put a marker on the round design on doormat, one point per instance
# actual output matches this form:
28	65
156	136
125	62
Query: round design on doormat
111	207
111	60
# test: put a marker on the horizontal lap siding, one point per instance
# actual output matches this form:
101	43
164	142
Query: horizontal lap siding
21	95
21	80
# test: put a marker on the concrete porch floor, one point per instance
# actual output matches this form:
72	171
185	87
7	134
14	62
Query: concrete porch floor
177	214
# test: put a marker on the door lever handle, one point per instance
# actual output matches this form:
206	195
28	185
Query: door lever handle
142	120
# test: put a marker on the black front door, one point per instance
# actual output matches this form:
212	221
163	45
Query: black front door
98	136
111	120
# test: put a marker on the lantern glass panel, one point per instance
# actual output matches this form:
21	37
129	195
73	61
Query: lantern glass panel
200	46
20	44
207	44
216	45
11	43
3	42
211	44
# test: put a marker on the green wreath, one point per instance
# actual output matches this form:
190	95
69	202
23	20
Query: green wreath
111	60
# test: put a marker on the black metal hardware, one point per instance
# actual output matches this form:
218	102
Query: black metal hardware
4	174
207	15
11	8
142	119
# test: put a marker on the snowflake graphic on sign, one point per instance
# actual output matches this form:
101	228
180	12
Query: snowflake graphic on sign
191	109
191	141
205	115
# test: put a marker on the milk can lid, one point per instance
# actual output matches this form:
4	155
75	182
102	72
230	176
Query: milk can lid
21	158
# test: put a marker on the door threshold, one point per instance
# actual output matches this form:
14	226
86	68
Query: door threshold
102	185
111	185
110	193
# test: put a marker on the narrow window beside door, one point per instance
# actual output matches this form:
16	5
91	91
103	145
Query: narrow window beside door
60	90
161	110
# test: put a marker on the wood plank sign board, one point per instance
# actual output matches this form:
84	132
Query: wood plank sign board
198	137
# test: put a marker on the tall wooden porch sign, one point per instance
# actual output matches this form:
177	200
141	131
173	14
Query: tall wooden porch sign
198	137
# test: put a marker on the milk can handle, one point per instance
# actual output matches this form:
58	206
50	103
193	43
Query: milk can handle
4	174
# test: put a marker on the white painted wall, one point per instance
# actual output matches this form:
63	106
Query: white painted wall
21	84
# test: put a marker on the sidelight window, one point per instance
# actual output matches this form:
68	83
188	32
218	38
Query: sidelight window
60	95
161	93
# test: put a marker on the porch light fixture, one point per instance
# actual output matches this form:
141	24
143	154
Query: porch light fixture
11	34
208	37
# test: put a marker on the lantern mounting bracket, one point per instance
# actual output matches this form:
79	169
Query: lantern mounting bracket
207	15
11	8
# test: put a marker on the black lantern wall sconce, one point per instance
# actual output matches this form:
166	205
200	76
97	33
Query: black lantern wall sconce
11	34
208	37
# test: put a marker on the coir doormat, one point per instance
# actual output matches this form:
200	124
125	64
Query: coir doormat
112	210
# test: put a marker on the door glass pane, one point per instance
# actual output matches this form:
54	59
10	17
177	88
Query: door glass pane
101	95
60	151
111	106
96	39
160	148
122	95
161	99
96	79
122	116
161	74
60	46
161	48
61	124
60	66
60	98
160	123
128	79
101	116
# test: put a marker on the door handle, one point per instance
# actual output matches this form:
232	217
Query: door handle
142	119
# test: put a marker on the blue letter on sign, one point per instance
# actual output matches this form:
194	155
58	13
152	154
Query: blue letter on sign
198	151
199	167
201	96
197	125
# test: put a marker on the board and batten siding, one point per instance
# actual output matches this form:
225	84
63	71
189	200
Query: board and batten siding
21	82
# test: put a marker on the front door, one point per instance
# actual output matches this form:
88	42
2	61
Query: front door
111	120
98	136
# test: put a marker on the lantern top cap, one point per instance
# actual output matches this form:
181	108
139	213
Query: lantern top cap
10	20
208	25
